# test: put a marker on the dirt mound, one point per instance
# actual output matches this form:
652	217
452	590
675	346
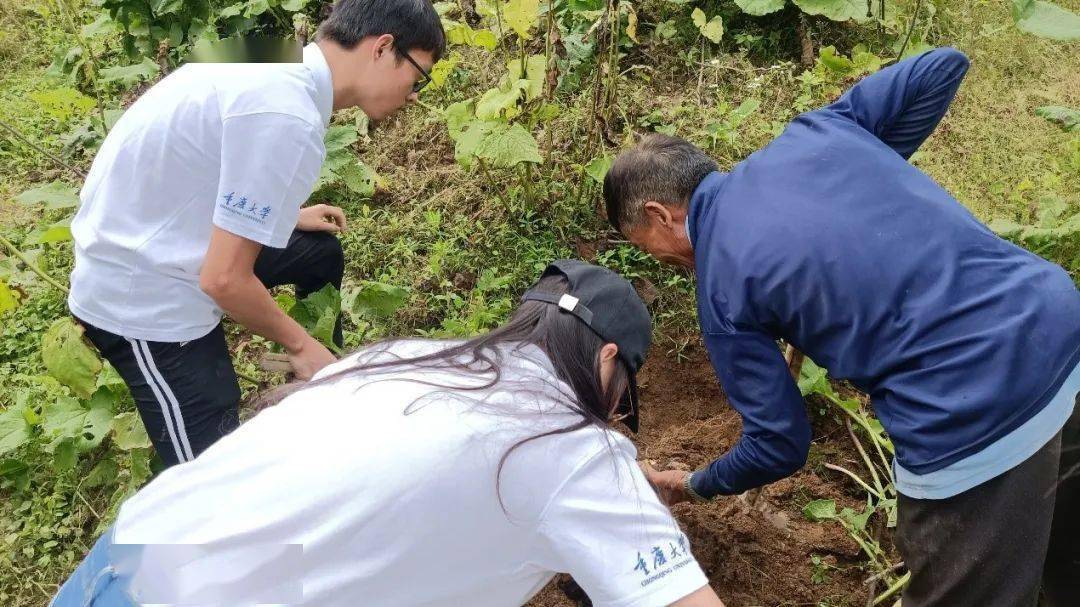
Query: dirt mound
758	555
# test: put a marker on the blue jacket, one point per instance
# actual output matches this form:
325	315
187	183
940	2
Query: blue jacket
829	239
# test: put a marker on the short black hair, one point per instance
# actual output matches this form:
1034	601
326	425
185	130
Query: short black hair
661	168
414	24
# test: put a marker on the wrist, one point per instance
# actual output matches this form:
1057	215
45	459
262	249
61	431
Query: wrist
688	487
297	343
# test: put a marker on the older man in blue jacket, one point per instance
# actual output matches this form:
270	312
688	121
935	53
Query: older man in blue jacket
968	345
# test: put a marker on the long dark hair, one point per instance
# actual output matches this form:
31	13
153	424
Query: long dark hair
571	346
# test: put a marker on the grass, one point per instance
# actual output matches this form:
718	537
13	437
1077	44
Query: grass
449	236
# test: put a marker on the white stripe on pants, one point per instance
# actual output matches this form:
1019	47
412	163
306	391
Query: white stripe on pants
170	408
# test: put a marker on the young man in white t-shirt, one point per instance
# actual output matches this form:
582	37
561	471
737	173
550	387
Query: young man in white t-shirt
192	209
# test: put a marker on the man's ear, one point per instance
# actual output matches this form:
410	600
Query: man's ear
383	44
658	213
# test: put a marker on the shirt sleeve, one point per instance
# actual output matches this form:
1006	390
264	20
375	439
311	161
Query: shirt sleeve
776	430
903	103
269	165
607	529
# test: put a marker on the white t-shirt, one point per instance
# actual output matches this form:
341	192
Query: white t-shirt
383	492
238	146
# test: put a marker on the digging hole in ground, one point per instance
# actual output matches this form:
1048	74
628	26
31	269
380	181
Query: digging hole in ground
753	556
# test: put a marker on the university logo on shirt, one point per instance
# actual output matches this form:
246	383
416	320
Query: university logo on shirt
658	562
245	208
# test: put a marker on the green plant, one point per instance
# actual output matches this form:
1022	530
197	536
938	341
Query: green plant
819	569
1055	234
86	402
492	131
1046	20
880	489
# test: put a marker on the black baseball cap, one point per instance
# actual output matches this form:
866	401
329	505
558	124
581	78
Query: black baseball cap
608	304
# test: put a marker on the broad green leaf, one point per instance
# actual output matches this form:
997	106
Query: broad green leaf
713	29
65	455
836	63
535	70
546	112
232	10
57	232
378	300
129	74
101	26
129	432
11	467
68	358
598	167
109	378
14	429
54	195
507	146
318	313
1065	117
758	8
294	5
104	473
485	39
285	301
837	10
8	300
699	18
63	103
521	15
457	117
359	178
866	62
1046	20
814	379
494	101
461	33
165	7
745	109
88	422
441	70
256	7
469	140
1051	211
340	137
854	519
139	466
820	510
666	29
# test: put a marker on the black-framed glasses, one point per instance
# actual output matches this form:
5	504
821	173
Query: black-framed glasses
419	84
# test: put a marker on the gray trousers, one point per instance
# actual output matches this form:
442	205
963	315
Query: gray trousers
998	543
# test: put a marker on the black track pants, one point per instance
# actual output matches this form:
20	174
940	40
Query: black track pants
187	393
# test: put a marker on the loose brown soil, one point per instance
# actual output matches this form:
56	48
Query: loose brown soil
753	556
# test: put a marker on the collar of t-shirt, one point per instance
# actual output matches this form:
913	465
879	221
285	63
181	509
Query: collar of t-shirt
315	61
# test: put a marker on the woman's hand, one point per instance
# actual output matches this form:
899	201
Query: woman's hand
668	484
321	218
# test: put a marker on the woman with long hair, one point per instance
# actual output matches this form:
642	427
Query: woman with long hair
423	472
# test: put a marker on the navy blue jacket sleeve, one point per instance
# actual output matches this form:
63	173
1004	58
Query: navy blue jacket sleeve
903	103
776	430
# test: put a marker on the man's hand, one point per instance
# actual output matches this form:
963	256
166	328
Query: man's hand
668	484
321	218
309	359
